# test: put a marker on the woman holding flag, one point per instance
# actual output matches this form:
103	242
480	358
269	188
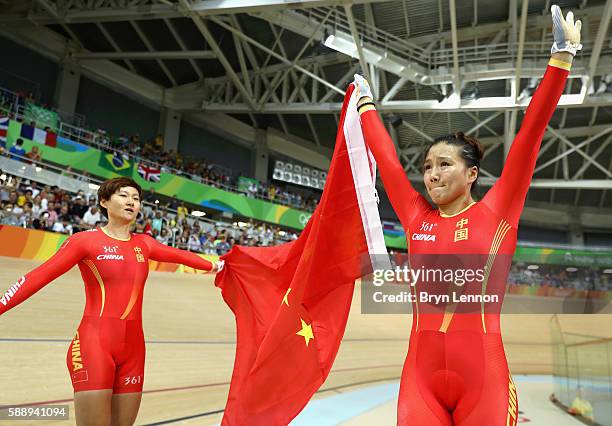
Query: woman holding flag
456	371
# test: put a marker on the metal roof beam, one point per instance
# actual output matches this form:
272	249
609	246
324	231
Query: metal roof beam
157	54
544	183
182	45
482	104
203	28
276	55
81	16
456	75
480	31
579	151
150	47
110	12
221	7
114	44
599	41
358	44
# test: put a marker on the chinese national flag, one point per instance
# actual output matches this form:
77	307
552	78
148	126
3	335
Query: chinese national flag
292	301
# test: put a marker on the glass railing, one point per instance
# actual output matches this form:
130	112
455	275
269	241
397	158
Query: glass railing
582	369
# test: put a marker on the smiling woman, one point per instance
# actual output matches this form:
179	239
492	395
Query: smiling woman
107	355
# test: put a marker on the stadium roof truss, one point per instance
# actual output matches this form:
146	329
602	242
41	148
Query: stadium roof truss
435	66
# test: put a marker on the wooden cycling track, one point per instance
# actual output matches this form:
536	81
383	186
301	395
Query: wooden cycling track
190	336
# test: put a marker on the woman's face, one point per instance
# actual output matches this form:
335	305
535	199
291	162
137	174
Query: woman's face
123	206
445	174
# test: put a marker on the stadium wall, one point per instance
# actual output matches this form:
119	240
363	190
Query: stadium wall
542	235
197	142
602	239
117	114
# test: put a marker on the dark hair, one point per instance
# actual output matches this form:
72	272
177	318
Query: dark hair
471	150
111	186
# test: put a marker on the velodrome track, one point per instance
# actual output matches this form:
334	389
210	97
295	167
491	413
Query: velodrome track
190	336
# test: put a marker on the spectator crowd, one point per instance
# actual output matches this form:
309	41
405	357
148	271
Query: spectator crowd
561	277
28	204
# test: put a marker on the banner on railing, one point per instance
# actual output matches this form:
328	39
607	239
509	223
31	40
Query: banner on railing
564	257
108	165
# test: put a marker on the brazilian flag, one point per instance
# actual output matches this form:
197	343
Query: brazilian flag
117	163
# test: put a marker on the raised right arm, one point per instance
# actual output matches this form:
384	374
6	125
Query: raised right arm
69	254
406	201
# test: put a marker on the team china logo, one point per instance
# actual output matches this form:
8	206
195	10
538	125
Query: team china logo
11	291
110	253
461	234
425	227
139	256
77	361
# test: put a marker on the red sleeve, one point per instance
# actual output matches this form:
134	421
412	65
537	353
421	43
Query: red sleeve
507	197
164	253
406	201
69	254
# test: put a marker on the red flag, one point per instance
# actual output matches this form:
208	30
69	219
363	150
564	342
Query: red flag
292	301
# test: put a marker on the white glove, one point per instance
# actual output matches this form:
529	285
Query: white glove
566	33
362	87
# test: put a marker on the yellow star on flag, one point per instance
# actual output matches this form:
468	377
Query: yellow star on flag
285	298
306	331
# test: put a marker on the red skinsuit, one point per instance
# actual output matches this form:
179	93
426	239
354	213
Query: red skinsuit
108	349
456	371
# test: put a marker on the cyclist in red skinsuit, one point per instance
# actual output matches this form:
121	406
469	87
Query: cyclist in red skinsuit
456	371
106	357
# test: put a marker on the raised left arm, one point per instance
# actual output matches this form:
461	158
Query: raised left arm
507	197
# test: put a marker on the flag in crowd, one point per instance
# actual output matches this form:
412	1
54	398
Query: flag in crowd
38	135
149	172
4	123
117	162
